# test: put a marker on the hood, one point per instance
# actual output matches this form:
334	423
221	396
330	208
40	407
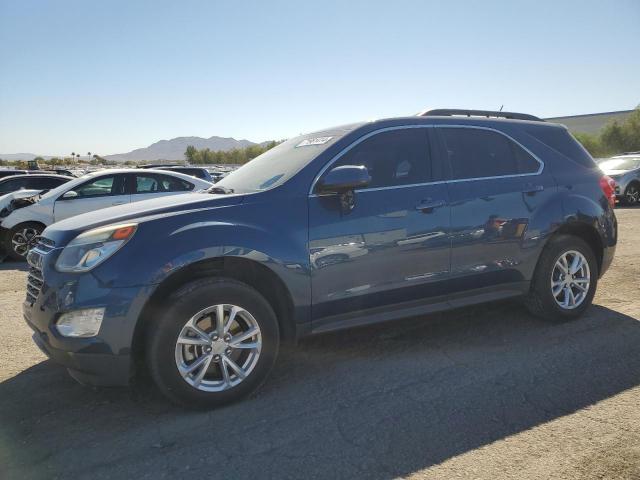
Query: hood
146	210
7	204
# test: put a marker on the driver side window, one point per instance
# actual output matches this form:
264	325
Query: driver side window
393	158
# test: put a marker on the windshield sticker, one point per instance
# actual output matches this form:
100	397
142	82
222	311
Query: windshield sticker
314	141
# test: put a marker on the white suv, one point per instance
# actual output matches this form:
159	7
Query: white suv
20	227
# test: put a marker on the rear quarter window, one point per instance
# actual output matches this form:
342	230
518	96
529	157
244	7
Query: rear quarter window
560	140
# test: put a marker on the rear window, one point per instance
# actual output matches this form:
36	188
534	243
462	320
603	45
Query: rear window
560	140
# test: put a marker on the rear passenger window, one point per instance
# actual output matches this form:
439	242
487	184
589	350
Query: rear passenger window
153	183
396	157
477	153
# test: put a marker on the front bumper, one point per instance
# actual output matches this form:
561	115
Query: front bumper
88	368
105	359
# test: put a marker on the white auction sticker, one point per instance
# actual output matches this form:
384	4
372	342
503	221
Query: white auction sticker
314	141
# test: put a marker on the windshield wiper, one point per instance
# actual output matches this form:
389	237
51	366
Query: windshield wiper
219	189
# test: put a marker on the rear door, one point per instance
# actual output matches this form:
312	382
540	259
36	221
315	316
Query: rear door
496	188
96	193
393	246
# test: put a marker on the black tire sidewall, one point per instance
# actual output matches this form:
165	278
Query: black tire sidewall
542	283
180	307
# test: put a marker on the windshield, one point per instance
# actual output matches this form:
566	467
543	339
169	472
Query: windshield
621	164
276	166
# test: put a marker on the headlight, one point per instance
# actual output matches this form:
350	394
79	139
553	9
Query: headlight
93	247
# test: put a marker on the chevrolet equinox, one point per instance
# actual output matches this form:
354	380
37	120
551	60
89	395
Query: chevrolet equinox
353	225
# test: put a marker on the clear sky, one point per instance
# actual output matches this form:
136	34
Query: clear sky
109	76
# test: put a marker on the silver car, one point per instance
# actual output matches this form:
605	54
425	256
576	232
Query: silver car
625	170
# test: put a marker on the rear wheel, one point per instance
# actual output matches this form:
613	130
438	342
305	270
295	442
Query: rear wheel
565	279
22	238
216	343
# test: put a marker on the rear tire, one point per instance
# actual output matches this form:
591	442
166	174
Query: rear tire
22	238
558	293
188	333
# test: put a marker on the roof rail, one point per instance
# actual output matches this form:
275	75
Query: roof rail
448	112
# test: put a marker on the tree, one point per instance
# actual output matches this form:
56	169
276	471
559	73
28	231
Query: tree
235	156
615	138
190	154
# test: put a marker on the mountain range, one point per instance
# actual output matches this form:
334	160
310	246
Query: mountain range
163	150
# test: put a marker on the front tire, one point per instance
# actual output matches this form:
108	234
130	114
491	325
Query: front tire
215	343
22	238
565	280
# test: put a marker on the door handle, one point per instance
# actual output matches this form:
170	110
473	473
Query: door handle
531	189
428	205
118	203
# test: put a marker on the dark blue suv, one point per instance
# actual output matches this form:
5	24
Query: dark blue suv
353	225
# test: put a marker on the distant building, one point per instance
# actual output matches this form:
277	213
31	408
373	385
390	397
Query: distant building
591	122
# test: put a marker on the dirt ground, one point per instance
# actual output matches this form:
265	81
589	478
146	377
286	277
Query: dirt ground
488	392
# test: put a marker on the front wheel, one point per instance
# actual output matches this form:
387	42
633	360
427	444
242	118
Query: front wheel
22	238
215	343
565	279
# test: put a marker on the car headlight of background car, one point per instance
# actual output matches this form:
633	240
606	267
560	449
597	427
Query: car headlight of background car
91	248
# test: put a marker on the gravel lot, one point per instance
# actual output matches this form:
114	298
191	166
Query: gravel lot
487	392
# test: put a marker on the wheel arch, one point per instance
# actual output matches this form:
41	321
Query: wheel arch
253	273
586	232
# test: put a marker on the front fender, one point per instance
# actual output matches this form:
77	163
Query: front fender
26	214
273	234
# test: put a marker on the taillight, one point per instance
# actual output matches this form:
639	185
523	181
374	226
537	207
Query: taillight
608	186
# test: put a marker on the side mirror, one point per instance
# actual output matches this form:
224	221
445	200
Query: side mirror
70	195
345	178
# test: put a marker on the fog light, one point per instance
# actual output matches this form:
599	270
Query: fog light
80	323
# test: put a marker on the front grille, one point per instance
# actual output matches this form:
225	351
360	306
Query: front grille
35	279
34	284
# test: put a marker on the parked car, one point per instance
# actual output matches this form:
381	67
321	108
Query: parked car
198	172
625	171
31	182
11	173
416	215
22	224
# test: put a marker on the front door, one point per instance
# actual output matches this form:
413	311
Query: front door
96	193
393	246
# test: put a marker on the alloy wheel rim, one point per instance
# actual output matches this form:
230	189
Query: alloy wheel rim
24	240
570	280
218	348
633	195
